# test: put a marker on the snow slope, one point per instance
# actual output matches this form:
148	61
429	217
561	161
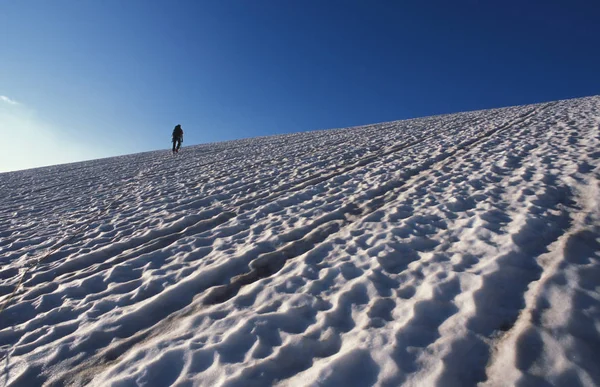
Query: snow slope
449	250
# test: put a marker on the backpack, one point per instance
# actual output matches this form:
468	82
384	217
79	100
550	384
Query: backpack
178	132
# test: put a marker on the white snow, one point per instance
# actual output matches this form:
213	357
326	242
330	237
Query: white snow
443	251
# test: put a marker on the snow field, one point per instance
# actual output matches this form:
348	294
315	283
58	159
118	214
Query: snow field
449	250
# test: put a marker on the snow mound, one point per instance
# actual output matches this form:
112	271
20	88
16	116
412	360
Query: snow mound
443	251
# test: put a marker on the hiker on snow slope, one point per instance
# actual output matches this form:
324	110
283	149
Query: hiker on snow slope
177	138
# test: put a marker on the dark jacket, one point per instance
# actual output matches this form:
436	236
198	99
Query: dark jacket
177	132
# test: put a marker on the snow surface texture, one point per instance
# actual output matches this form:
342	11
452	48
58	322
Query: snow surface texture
449	250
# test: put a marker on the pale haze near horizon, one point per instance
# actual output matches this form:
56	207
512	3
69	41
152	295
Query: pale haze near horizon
29	142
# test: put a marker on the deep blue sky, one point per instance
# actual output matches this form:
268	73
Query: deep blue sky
99	78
